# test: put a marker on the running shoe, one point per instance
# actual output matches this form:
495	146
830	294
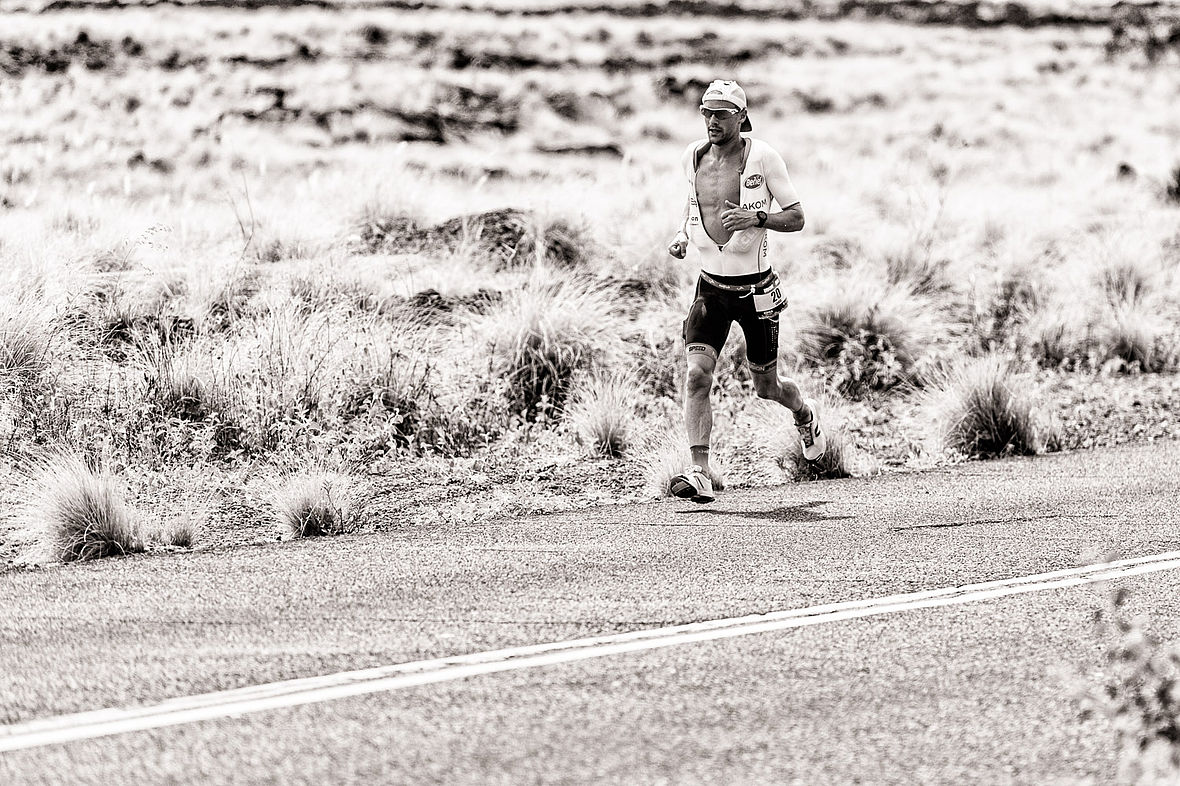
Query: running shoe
693	484
815	441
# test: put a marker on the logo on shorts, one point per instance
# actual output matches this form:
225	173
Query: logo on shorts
753	181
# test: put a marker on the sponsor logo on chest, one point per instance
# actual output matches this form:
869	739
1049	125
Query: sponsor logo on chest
753	181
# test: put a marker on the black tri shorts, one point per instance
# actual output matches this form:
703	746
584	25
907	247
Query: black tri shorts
714	309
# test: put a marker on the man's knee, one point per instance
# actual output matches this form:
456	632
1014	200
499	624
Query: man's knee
699	380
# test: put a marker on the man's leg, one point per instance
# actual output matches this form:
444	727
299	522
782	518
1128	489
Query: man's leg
770	386
698	407
762	354
695	482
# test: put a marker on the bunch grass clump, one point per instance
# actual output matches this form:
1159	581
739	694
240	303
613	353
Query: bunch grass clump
663	454
75	513
984	409
315	504
602	415
842	459
544	333
867	337
26	337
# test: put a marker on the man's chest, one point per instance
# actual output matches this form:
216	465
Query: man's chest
717	182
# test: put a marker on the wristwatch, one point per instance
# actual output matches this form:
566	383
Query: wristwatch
762	218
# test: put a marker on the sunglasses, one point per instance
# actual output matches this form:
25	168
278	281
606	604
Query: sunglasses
723	114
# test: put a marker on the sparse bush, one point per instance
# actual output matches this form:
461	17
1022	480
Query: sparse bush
1139	694
842	458
75	513
663	455
312	504
869	339
984	409
601	413
540	335
26	335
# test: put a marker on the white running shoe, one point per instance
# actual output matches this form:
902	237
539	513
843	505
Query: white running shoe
693	484
815	441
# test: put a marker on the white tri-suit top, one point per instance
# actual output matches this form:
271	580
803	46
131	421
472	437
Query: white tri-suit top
764	179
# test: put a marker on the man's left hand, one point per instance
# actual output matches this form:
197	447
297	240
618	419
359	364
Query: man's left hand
735	218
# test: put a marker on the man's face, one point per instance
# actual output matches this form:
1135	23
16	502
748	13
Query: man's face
722	120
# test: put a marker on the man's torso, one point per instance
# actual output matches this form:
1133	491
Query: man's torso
715	180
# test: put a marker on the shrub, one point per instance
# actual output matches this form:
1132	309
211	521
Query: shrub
541	334
312	504
984	409
76	513
868	338
1140	694
663	455
601	413
842	459
26	336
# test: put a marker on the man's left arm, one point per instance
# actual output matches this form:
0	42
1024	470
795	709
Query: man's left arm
787	219
778	180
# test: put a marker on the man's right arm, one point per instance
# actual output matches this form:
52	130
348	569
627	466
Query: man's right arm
679	246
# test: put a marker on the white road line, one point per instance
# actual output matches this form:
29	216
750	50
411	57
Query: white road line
290	693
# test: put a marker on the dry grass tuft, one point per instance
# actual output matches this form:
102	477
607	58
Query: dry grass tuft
312	504
74	513
842	458
26	335
181	533
663	455
602	414
984	409
542	334
868	339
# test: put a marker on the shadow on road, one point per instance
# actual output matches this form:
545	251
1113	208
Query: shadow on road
790	514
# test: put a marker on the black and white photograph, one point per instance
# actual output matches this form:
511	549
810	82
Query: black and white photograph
726	392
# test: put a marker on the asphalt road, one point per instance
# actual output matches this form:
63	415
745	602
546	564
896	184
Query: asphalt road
979	692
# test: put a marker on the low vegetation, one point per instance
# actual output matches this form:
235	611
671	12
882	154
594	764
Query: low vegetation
985	409
313	504
275	269
73	512
1139	694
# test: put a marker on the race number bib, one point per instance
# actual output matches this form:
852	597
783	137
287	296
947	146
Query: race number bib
769	299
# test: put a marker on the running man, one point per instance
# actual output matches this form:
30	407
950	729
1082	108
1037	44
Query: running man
732	182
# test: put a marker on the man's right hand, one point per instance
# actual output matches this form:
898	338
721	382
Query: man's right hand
679	247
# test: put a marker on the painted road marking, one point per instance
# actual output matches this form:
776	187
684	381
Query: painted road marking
290	693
